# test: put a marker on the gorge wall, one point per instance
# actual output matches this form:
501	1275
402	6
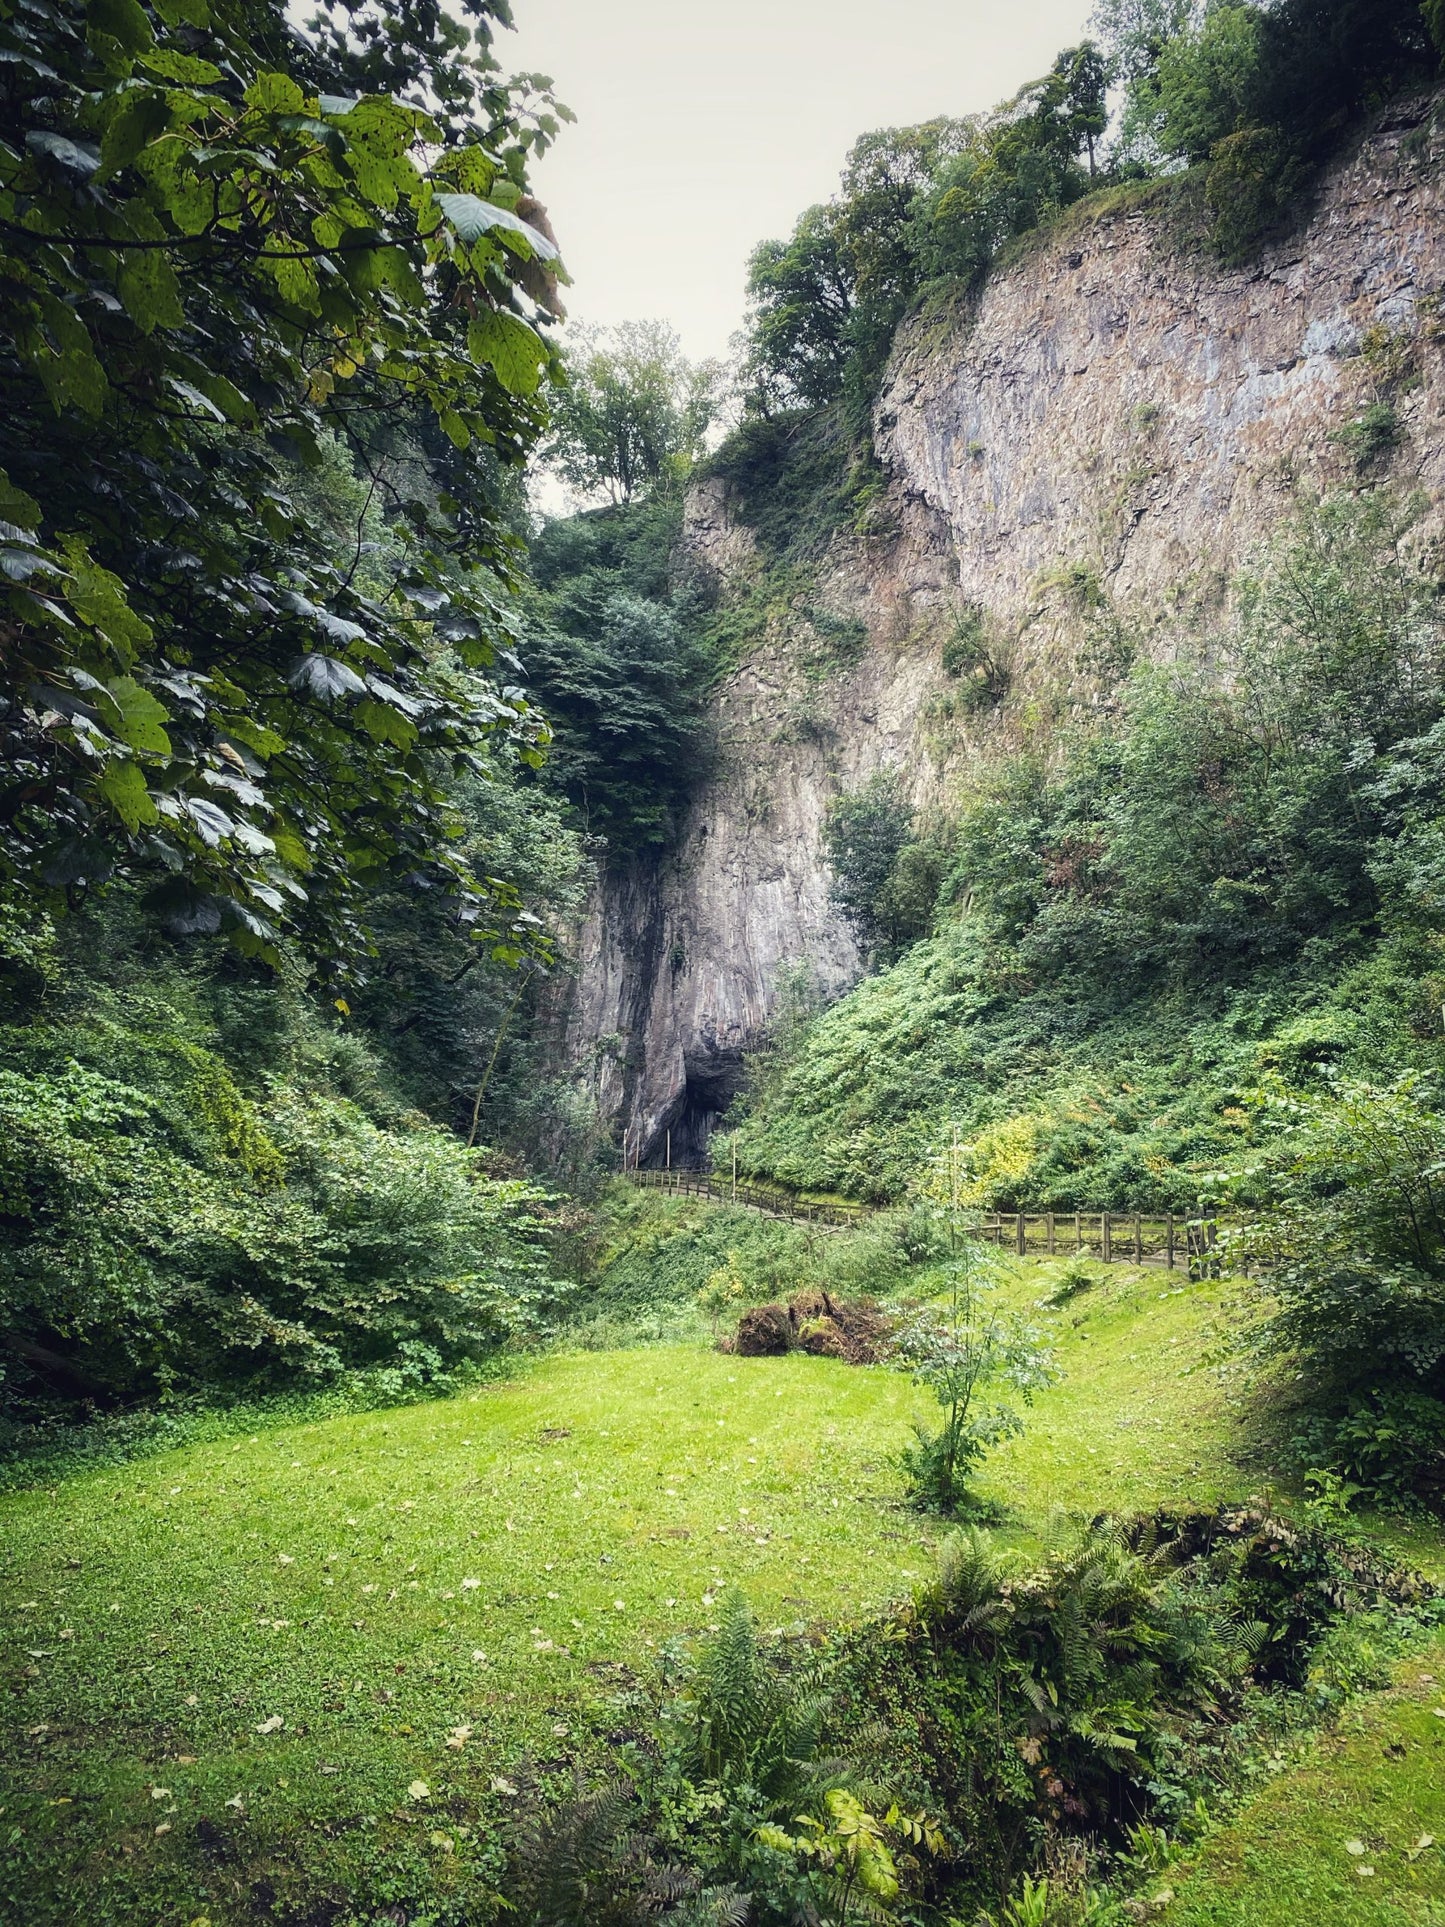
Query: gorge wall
1110	432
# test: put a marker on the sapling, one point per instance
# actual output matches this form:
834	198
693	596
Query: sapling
963	1352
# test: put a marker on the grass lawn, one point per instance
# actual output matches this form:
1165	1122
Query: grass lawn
229	1665
1353	1838
288	1677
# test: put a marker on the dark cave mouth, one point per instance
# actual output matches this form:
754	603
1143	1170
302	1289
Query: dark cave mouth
687	1127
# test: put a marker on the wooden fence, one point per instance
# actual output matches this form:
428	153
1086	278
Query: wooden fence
1113	1237
757	1197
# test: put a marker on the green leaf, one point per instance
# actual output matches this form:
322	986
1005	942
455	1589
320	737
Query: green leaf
171	65
401	277
296	283
141	116
123	21
176	13
516	353
124	788
256	737
137	718
455	427
149	291
275	94
99	598
16	506
385	724
74	373
471	218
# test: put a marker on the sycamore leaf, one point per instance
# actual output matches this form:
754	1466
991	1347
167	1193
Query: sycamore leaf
74	157
472	217
124	788
120	20
141	116
384	724
135	716
324	676
516	353
99	598
171	65
275	94
150	293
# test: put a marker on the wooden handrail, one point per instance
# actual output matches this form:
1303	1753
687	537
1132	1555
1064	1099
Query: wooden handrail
1130	1237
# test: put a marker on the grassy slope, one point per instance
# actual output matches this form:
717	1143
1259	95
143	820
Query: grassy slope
1377	1783
125	1593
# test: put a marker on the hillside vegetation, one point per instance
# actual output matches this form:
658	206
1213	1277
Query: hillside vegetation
406	1523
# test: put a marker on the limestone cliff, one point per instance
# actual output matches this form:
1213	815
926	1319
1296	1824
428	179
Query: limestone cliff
1115	426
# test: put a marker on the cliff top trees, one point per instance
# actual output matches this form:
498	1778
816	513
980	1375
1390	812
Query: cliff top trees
632	411
222	249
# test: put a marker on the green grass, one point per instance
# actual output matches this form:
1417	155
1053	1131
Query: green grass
156	1616
1293	1855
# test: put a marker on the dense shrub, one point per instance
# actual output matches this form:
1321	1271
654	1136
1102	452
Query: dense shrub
203	1186
1351	1247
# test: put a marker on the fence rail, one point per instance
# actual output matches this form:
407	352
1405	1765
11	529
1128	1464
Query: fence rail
1114	1237
726	1190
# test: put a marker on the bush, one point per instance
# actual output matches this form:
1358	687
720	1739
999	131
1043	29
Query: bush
1351	1245
176	1217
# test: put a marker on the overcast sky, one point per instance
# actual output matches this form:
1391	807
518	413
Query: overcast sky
705	126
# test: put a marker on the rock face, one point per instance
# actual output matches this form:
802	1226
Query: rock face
1103	442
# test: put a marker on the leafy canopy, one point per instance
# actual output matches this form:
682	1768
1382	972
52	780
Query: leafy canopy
633	411
222	241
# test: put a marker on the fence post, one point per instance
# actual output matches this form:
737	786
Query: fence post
1138	1241
669	1151
1051	1234
1020	1235
735	1170
1078	1231
1105	1233
1169	1244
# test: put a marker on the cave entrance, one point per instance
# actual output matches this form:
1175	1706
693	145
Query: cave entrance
712	1083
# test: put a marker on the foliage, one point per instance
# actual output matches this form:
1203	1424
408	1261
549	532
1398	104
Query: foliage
1178	896
194	1202
1352	1250
916	204
963	1352
221	244
885	880
1257	95
633	411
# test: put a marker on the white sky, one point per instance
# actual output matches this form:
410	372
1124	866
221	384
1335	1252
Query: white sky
706	126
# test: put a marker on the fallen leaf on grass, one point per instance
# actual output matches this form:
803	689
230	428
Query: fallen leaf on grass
419	1790
458	1737
273	1725
1422	1845
1356	1847
504	1787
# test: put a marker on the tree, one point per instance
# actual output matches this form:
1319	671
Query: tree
632	411
825	303
212	261
963	1353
